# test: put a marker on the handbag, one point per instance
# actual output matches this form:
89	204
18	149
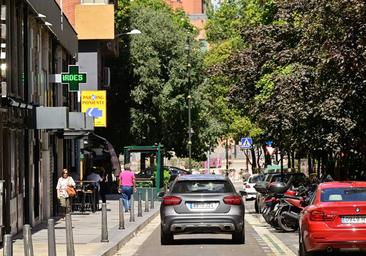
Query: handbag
71	191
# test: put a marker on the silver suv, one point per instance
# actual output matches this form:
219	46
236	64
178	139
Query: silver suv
202	204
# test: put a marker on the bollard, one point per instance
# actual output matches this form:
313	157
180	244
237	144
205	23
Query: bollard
121	215
8	246
132	211
139	205
104	224
146	200
152	199
51	238
69	236
27	239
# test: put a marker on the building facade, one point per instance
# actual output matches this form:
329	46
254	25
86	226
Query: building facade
196	11
36	42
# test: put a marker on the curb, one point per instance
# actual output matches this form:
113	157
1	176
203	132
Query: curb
116	247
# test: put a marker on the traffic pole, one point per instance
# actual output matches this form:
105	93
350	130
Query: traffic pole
146	200
104	224
51	238
132	211
121	215
27	239
8	245
152	198
139	205
69	236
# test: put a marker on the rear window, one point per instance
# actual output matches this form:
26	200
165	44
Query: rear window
255	179
343	194
202	186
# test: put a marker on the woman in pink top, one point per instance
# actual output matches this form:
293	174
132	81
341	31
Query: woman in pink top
127	185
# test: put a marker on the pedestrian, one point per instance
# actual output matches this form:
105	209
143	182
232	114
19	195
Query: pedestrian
103	185
63	182
127	186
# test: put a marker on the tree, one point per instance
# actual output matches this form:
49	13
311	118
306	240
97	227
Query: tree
300	76
151	76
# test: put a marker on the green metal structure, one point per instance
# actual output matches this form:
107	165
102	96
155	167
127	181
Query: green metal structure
157	150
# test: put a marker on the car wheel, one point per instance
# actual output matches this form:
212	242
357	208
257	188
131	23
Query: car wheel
239	237
166	238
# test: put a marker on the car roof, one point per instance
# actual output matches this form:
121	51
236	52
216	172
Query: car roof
193	177
342	184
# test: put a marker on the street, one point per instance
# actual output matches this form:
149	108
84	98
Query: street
261	240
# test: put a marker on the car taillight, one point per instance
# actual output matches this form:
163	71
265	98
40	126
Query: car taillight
247	186
171	200
233	200
321	216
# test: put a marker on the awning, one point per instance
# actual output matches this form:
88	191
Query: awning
108	147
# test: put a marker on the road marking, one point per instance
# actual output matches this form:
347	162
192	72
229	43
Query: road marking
276	245
130	248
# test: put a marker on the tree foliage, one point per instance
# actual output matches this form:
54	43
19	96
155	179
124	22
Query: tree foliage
151	76
300	76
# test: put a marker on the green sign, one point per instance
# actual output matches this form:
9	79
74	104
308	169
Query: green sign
73	78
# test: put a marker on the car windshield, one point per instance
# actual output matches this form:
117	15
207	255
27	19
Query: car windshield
202	186
343	194
255	179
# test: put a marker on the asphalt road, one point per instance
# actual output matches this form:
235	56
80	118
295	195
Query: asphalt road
261	240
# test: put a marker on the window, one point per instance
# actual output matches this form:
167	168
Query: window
343	195
202	186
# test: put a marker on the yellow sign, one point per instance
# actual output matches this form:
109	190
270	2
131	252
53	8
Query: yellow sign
94	104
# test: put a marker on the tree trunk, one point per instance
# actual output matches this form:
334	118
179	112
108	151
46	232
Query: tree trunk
267	158
310	167
289	163
254	161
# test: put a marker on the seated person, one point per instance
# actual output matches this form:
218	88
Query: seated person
95	177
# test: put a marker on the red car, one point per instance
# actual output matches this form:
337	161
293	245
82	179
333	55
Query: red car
335	219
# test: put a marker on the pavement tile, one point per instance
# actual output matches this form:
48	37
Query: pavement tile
87	233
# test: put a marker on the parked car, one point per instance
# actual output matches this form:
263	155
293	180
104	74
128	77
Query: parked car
261	186
175	172
249	185
202	204
334	219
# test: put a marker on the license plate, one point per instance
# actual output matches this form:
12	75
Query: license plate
202	206
354	220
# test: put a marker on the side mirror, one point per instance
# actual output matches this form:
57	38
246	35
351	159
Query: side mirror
243	193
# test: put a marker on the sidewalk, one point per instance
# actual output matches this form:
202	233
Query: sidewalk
87	232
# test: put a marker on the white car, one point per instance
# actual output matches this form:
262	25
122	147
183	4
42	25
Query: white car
249	185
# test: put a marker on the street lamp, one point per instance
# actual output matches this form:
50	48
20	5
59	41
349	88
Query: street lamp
189	97
132	32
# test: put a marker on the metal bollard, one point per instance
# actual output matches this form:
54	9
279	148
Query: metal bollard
51	238
104	224
27	239
8	246
69	236
139	205
132	211
121	215
146	200
152	199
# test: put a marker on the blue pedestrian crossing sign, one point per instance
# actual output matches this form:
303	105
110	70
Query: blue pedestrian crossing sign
246	142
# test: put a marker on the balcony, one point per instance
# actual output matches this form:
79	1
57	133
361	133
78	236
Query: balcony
94	20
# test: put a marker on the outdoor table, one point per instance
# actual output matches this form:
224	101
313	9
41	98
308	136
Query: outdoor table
86	196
